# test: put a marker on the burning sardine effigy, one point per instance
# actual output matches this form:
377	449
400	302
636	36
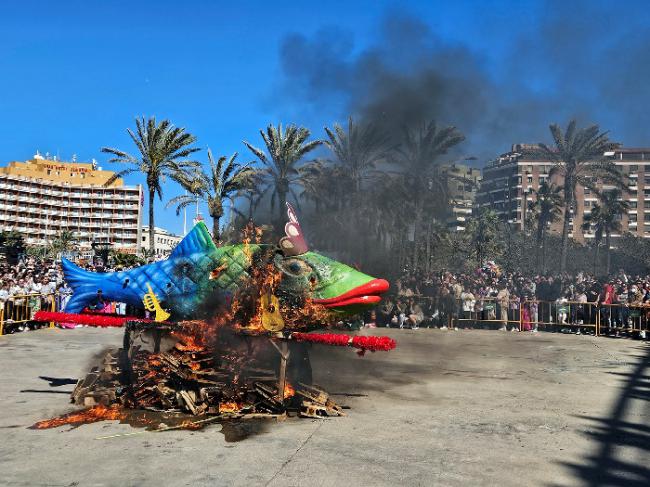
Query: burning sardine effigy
228	338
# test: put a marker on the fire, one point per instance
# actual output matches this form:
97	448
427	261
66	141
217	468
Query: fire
188	343
195	335
154	361
289	391
229	407
91	415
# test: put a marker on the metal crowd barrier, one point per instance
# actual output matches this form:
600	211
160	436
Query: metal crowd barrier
597	318
19	310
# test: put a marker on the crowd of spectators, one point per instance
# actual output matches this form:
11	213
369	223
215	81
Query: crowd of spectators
34	284
485	298
507	300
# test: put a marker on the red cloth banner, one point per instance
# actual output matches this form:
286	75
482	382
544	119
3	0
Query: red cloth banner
363	343
83	319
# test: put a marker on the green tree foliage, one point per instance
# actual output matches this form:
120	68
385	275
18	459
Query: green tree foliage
164	152
546	209
65	241
418	159
225	179
285	149
578	157
605	219
484	233
124	260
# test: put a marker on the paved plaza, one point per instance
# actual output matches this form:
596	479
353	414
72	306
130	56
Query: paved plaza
444	408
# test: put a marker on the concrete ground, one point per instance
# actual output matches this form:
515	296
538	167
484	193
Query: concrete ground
445	408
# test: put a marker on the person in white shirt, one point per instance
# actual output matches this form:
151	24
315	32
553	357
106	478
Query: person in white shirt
4	294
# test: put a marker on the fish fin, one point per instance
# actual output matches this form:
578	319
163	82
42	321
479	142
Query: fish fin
78	301
198	240
84	285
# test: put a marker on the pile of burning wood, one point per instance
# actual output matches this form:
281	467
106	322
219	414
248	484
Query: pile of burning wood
223	377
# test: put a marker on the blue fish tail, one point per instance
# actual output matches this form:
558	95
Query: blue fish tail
84	285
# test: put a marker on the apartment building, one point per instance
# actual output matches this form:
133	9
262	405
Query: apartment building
463	183
39	198
509	183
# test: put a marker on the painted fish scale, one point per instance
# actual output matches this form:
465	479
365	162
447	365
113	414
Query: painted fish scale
235	264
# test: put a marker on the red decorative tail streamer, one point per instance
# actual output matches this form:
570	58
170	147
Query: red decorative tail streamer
89	320
363	343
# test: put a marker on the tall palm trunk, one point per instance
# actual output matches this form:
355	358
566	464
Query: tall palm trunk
216	236
152	233
608	236
427	264
568	194
596	258
416	232
282	210
540	236
543	250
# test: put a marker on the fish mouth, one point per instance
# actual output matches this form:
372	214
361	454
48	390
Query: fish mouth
366	294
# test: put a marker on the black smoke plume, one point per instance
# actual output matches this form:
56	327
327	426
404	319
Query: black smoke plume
581	59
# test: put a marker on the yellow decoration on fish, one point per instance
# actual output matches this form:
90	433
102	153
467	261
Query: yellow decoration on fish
271	317
151	303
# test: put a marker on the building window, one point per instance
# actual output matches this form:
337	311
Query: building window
634	167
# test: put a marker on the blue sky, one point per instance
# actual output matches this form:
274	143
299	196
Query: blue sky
74	74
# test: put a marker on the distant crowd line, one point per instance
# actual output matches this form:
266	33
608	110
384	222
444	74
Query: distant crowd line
513	301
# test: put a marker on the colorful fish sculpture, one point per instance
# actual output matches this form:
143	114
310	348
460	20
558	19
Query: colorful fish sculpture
198	276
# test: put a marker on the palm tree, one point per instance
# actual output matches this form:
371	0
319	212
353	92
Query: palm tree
357	150
418	157
285	147
578	157
252	194
482	231
605	218
64	241
164	151
226	178
548	208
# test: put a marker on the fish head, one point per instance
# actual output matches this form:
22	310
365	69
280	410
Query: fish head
332	284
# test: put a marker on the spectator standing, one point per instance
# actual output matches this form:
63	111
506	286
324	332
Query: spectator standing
503	300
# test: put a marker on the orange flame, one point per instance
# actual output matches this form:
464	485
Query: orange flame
289	391
229	407
92	415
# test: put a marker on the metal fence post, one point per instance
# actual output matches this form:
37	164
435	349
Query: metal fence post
53	308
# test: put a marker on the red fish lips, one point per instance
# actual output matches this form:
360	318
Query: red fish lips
368	293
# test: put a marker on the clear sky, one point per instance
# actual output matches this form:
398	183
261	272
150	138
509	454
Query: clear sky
74	74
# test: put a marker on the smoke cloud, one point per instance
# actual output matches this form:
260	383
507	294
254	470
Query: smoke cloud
578	59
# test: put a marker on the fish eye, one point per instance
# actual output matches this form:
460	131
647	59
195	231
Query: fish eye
296	267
